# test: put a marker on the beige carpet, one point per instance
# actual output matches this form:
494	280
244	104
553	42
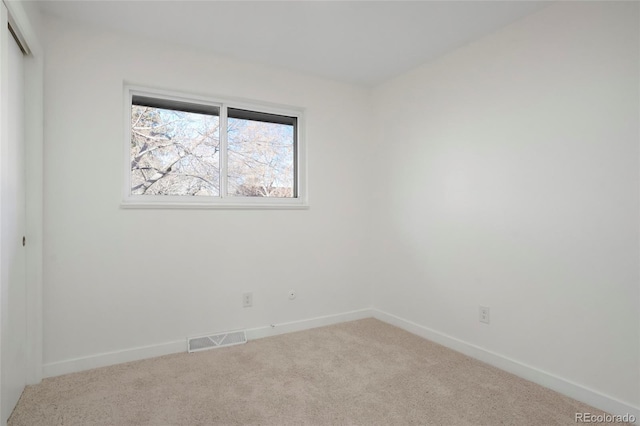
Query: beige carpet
358	373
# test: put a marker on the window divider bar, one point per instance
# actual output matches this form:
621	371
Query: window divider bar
224	175
296	160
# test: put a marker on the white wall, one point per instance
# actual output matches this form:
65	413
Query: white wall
119	279
512	182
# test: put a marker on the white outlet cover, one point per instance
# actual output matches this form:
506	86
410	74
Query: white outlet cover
247	299
484	314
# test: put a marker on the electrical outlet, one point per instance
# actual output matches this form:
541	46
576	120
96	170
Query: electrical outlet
484	314
247	300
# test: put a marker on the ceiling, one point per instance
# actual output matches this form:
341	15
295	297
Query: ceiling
359	42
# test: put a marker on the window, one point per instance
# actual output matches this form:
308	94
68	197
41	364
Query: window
196	152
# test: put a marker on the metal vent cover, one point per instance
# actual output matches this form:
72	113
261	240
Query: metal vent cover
219	340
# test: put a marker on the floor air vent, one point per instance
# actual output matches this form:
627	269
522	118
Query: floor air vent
231	338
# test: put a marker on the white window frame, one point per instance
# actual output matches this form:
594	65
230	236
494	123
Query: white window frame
223	201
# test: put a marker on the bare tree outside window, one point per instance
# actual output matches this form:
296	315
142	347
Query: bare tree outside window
260	157
174	152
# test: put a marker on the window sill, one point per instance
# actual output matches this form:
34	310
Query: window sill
214	206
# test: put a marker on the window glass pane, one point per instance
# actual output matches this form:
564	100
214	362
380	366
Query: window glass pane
261	158
174	152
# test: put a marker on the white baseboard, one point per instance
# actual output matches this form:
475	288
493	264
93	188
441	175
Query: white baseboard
289	327
134	354
111	358
548	380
